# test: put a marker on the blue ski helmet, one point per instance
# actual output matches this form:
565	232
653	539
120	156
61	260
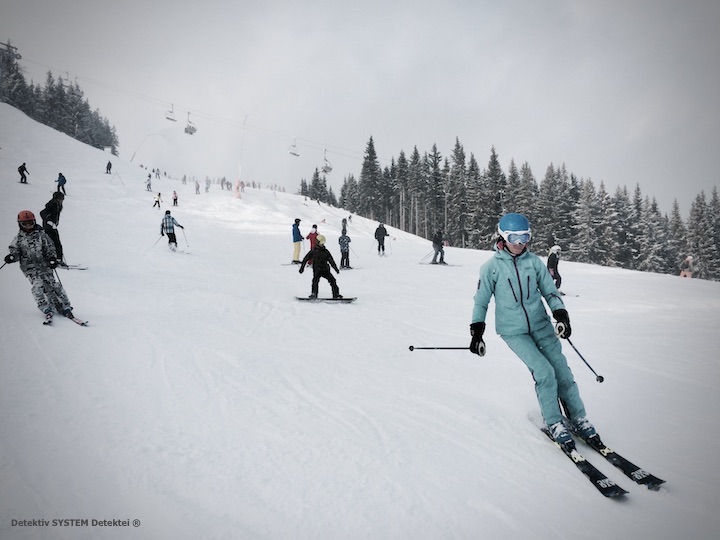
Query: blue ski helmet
514	228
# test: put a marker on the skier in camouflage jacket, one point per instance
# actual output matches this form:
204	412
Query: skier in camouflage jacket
38	259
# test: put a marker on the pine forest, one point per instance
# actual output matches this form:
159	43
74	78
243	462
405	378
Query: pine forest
424	193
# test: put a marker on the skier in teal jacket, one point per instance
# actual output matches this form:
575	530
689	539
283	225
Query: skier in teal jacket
520	281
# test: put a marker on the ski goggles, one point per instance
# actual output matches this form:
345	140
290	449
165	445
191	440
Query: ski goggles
27	224
522	237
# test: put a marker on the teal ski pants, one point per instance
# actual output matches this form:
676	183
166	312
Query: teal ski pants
542	353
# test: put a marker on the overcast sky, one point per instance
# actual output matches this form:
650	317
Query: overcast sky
622	91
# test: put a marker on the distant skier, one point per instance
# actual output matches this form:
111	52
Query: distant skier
175	198
148	183
51	219
158	200
167	226
322	261
108	167
297	238
61	181
344	242
22	169
312	236
380	234
552	265
37	256
437	243
519	281
687	267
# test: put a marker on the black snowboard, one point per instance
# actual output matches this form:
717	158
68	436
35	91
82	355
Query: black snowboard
345	300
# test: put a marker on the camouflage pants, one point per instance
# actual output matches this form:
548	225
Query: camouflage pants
48	293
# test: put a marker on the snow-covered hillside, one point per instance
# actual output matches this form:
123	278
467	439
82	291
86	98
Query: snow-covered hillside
205	402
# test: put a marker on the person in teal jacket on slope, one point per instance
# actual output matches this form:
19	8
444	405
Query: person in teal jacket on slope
520	281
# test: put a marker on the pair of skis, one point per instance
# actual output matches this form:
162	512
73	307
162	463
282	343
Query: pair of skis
49	319
73	267
602	483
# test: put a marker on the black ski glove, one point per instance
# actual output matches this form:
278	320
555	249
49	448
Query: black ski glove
562	328
53	263
162	233
301	270
9	258
477	345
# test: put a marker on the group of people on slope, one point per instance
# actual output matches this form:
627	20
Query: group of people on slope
61	180
39	250
319	258
520	282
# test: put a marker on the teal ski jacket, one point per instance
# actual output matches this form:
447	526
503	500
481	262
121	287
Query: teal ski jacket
519	285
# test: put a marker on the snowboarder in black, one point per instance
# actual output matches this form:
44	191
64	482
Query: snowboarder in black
51	218
22	169
322	261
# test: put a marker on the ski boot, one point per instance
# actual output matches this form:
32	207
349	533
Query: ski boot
583	428
562	436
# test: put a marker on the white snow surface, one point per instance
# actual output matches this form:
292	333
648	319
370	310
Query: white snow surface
206	402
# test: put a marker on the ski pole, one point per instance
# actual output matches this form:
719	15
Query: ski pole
3	266
598	378
156	241
413	348
186	242
426	256
58	276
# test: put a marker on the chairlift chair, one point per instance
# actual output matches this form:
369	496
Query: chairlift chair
190	128
293	151
327	167
170	115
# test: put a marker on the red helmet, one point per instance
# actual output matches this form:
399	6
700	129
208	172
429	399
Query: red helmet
26	215
26	219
